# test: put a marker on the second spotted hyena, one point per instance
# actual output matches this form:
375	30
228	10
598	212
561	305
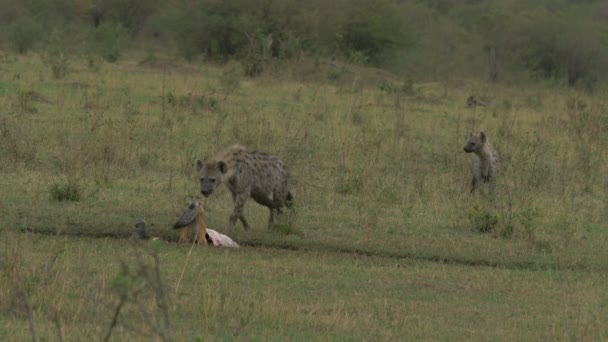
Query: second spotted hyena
247	174
484	163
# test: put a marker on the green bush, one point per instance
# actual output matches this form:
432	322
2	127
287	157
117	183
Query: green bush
24	33
69	191
210	28
26	100
564	46
482	220
406	87
371	28
230	81
55	56
130	14
108	41
500	40
528	221
249	30
258	54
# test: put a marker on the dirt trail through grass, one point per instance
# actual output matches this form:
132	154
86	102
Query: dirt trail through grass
314	247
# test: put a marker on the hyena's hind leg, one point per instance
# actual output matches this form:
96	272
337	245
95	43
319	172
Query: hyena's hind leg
267	202
282	199
239	203
492	185
289	200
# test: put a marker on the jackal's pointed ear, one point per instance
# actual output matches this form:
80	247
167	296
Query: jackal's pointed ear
483	137
198	164
222	166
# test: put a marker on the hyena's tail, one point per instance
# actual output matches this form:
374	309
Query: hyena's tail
289	200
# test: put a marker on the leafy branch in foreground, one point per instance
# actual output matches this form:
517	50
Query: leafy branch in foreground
134	284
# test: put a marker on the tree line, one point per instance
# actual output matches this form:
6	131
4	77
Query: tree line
559	40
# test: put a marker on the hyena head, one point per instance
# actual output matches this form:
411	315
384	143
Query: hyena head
474	143
211	175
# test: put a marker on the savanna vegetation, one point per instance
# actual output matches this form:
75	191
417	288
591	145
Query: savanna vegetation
104	106
562	41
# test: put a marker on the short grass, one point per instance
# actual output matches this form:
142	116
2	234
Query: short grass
269	294
385	240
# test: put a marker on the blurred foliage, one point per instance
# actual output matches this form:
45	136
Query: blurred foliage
55	56
24	33
108	40
562	40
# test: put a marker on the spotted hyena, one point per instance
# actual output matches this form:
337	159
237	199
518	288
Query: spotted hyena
247	174
484	163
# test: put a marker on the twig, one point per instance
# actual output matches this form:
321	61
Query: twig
58	326
162	90
123	300
160	294
145	315
30	316
184	268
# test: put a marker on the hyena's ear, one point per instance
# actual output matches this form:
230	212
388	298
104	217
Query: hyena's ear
198	164
222	166
469	135
483	137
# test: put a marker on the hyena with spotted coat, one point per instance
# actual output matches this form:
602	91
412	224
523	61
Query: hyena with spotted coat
247	174
484	163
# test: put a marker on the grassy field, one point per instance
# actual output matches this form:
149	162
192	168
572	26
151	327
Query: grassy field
385	242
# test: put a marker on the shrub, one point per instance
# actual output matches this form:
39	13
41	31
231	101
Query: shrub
229	80
250	30
406	87
192	102
482	220
371	28
69	191
24	33
55	56
210	28
130	14
26	99
527	219
564	46
258	54
108	41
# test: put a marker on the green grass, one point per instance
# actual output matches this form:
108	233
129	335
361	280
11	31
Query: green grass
384	242
265	293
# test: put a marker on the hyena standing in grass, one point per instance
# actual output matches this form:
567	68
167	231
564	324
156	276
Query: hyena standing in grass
484	163
247	174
